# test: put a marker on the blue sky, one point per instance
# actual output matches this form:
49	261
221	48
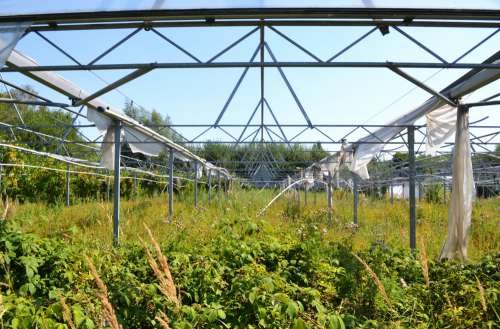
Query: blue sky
330	96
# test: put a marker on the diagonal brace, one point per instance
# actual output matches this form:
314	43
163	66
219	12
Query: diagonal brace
114	85
421	85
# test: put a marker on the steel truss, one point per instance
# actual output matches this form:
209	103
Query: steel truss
261	23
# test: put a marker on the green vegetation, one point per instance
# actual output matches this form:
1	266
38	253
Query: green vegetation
232	269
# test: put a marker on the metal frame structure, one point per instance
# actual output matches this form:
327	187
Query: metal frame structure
260	22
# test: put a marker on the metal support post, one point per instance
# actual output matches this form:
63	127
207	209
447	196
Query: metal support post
218	182
392	193
305	195
412	174
196	184
355	190
209	185
330	196
67	185
108	187
135	183
314	192
171	185
116	191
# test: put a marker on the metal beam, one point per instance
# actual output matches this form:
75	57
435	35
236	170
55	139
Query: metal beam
187	65
422	85
129	77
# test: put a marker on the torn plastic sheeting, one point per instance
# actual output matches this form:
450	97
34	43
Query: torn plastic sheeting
199	171
10	34
71	90
471	81
108	149
462	195
364	153
140	143
101	121
441	125
308	178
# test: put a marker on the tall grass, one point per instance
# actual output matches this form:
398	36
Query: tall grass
90	224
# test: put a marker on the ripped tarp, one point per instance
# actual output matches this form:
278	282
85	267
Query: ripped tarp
103	115
462	193
10	34
441	125
374	143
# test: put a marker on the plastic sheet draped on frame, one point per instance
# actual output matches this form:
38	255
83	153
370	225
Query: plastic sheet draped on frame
10	34
462	193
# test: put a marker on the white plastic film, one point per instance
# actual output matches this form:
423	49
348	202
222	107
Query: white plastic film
101	121
140	143
441	125
10	33
108	149
462	195
199	171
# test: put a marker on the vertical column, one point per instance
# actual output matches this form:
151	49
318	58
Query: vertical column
171	185
412	174
329	195
67	185
135	183
355	191
209	185
218	183
392	193
108	187
314	192
305	194
116	190
196	184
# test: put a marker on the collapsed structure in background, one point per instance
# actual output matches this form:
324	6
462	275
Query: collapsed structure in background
445	112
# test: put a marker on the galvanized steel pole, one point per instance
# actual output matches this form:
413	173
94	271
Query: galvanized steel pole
67	185
135	183
356	199
171	185
392	193
196	184
209	185
116	191
412	174
329	195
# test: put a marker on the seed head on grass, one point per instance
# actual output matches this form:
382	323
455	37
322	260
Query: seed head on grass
376	280
161	270
108	311
481	294
424	260
66	312
163	320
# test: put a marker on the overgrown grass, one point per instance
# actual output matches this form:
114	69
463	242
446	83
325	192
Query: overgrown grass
232	269
379	221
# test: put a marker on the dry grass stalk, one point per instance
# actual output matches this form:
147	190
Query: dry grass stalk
6	210
481	294
376	280
66	312
107	308
424	260
163	320
2	308
161	271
